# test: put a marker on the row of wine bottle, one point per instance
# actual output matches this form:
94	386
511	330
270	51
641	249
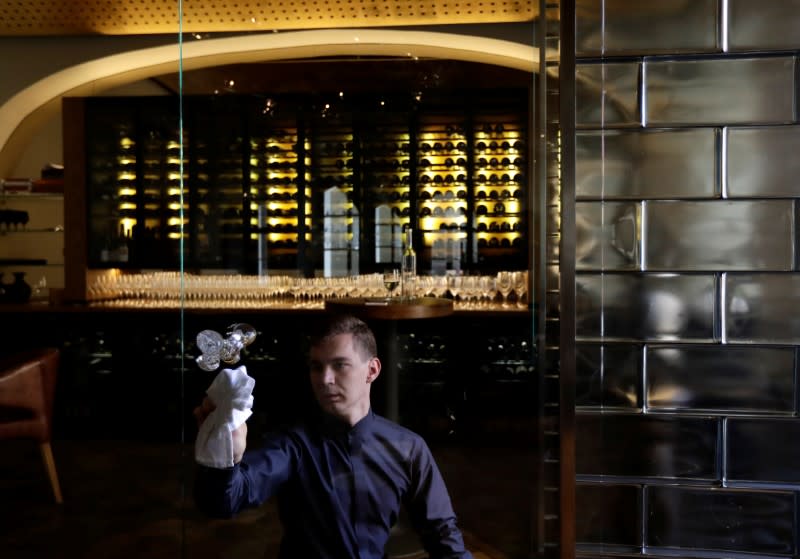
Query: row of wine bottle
235	199
126	179
397	164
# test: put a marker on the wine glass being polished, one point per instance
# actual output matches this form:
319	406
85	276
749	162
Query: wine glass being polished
215	348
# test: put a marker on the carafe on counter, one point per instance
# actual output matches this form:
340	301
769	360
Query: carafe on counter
17	291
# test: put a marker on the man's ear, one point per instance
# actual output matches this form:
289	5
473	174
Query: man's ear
374	369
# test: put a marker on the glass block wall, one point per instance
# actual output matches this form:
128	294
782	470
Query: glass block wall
687	279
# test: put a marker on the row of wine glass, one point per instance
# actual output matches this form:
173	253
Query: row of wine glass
504	290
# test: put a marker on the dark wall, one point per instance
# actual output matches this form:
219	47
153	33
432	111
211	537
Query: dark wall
463	379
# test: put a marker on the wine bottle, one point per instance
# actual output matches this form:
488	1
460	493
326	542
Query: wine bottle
122	249
409	266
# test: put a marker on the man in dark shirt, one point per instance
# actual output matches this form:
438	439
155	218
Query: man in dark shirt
340	480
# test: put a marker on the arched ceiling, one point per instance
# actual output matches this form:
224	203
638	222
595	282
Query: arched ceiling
21	116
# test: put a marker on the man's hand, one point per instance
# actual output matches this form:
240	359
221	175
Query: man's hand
202	411
239	435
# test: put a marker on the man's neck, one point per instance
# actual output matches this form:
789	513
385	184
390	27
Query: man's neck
357	415
342	423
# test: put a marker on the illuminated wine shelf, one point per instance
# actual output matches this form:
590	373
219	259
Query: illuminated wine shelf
245	190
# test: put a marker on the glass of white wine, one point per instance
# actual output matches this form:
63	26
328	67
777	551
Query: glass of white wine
391	279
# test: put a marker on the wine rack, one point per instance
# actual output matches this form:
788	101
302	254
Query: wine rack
135	198
216	189
280	211
442	207
499	184
386	178
293	188
112	171
161	206
333	163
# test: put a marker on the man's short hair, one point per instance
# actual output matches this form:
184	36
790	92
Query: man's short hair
336	324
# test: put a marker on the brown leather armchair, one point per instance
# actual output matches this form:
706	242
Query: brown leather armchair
27	391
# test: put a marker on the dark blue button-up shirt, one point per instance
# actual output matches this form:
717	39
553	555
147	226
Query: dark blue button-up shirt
339	489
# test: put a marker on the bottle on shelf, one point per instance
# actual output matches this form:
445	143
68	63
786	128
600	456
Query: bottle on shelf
123	250
408	268
105	250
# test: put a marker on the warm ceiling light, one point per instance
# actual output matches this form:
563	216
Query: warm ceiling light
140	17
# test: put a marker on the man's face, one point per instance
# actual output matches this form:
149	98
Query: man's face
341	377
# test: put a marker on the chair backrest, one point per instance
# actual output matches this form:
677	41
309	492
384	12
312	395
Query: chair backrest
27	393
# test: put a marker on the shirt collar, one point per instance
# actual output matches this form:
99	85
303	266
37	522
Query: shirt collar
335	427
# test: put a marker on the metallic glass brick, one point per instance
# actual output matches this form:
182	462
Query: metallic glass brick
646	27
719	91
762	308
719	235
607	94
649	164
762	161
718	519
647	446
653	307
608	235
720	379
608	513
609	376
753	452
588	27
763	25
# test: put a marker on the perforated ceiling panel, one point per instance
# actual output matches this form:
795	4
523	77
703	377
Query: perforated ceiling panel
134	17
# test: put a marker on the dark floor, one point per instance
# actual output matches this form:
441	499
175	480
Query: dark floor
128	499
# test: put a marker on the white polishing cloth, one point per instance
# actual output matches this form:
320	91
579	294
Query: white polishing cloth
232	394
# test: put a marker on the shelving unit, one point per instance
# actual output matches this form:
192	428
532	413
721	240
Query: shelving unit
254	185
386	156
112	168
499	178
216	153
333	171
443	158
279	195
36	246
